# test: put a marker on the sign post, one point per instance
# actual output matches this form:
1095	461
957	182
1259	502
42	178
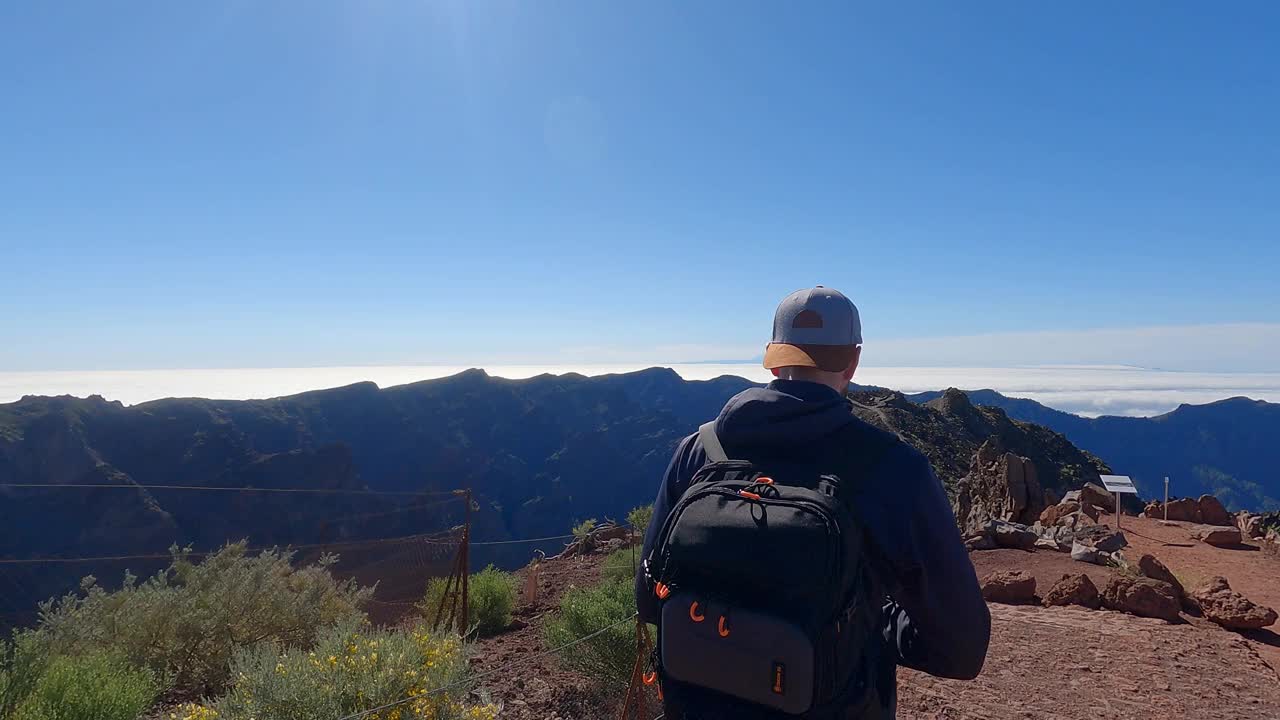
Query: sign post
1119	484
1166	498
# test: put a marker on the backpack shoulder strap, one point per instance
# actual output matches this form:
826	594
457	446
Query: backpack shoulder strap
711	442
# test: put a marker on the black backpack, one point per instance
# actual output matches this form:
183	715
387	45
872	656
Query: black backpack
763	582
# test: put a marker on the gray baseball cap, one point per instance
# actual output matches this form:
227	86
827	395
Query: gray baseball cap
818	327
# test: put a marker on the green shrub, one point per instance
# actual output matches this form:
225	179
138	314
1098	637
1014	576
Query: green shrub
22	663
607	658
350	669
621	565
492	600
99	686
639	518
186	622
583	529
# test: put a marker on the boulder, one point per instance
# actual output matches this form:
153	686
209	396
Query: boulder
1183	510
1083	518
1093	534
1154	509
1141	596
1218	535
999	486
1229	608
1093	494
1075	589
1012	535
1054	513
1058	539
981	542
1009	587
1212	512
1086	554
1150	567
1048	543
1250	525
1071	496
1110	542
1050	515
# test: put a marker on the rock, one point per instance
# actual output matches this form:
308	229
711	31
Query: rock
1055	537
1183	510
1250	525
1054	513
1011	588
1000	486
1111	542
1048	543
1074	590
1050	515
1086	553
1218	535
1153	509
1229	608
1093	534
1012	535
1092	494
1058	539
1064	536
1071	496
1141	596
1212	512
1150	567
1051	497
981	542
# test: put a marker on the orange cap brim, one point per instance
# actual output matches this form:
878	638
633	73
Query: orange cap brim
830	358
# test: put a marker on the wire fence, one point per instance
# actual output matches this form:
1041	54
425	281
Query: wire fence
452	536
434	538
217	488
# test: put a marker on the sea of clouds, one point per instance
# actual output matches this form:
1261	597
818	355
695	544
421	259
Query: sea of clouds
1089	390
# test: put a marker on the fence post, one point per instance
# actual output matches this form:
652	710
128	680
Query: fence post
466	564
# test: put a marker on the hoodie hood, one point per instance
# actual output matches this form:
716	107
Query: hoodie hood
783	414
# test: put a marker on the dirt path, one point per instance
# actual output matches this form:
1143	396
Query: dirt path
539	689
1074	663
1066	663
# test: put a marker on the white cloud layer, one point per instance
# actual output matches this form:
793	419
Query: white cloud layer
1233	347
1112	390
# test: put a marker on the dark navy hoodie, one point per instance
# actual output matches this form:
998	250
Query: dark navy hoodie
935	619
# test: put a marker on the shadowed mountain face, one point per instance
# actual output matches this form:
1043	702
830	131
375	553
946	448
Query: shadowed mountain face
949	429
1229	448
539	454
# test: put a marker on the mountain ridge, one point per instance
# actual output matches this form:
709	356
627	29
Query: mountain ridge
1226	447
539	454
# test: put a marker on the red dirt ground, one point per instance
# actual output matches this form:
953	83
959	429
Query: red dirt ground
542	688
1068	663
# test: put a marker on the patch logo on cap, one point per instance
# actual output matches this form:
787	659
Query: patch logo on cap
807	319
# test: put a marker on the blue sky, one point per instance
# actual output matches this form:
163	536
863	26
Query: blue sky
241	184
